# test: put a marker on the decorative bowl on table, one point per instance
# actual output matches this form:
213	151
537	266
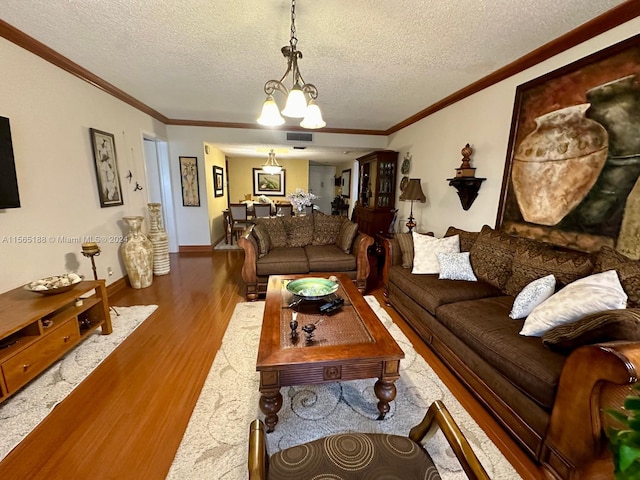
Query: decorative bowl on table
312	288
54	285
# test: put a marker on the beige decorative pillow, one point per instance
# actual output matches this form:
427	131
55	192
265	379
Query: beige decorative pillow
533	260
347	235
264	241
275	227
628	271
467	239
492	256
425	249
326	228
405	242
299	230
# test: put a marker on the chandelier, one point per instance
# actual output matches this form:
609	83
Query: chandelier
271	165
297	105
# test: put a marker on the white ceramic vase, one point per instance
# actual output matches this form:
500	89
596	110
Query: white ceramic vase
159	240
137	254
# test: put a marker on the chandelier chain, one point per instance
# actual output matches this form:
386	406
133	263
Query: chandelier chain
294	39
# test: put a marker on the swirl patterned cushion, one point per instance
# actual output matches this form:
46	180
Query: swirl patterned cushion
354	456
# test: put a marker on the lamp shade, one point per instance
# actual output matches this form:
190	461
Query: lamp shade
296	106
313	117
413	191
270	115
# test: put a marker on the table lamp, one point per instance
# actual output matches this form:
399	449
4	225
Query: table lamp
413	192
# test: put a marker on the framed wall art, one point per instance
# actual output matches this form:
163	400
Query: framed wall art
346	183
269	184
106	165
189	181
573	161
218	181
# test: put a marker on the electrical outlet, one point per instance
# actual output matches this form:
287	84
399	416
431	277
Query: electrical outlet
109	271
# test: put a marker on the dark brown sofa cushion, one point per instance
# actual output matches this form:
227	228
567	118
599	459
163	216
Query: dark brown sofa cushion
467	239
263	239
283	260
347	235
351	456
492	255
595	328
299	230
326	228
628	271
328	258
430	292
534	260
275	227
405	241
485	327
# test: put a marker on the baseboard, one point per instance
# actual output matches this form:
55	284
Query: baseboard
118	285
195	249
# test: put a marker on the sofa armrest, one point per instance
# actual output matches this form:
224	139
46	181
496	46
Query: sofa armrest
392	256
575	445
249	269
361	245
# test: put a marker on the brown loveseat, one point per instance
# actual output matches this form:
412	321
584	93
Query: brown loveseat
549	392
311	244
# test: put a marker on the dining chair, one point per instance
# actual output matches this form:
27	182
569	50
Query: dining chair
308	209
377	456
284	210
261	210
239	219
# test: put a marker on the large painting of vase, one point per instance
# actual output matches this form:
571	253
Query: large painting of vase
573	162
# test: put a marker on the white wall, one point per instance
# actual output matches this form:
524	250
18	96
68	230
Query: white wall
51	112
482	120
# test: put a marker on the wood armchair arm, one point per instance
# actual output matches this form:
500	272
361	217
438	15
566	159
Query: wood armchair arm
575	443
257	451
439	417
361	245
249	267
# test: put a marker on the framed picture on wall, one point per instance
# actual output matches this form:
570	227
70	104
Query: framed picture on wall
269	184
189	181
573	161
106	165
218	181
346	183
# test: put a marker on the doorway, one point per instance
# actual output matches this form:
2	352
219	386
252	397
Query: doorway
322	184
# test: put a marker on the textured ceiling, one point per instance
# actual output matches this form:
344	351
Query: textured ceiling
375	63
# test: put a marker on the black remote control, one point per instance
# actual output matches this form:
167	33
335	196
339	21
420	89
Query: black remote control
331	306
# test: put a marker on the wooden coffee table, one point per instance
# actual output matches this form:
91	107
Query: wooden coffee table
350	344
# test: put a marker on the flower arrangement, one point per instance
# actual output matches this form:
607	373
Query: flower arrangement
300	199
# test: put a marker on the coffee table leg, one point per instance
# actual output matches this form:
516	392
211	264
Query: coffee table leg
270	404
385	390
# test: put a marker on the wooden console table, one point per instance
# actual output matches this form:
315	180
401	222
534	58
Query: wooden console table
33	346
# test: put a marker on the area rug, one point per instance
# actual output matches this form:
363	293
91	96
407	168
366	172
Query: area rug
26	409
216	440
227	246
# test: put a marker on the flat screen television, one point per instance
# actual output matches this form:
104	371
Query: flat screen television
9	197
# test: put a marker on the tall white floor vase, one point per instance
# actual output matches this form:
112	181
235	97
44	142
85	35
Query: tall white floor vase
159	240
137	254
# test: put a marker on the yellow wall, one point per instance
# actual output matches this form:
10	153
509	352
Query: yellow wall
215	205
241	176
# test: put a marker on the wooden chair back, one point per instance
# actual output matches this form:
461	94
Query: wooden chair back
262	210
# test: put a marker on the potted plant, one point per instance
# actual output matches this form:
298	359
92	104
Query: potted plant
625	442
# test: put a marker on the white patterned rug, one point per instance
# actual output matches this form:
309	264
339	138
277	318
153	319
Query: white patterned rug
216	441
26	409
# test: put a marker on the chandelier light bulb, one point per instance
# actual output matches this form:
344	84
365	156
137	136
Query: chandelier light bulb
296	103
313	117
270	115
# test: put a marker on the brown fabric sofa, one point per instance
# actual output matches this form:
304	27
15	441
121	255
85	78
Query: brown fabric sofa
549	392
311	244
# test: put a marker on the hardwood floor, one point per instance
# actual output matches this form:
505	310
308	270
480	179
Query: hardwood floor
126	420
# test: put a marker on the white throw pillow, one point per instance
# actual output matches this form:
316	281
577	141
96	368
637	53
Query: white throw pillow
425	248
533	295
455	266
596	293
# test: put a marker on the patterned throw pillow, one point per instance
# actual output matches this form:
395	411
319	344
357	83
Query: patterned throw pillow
455	266
596	293
275	227
299	230
467	239
534	260
628	271
405	242
326	228
425	249
492	256
262	236
347	235
532	295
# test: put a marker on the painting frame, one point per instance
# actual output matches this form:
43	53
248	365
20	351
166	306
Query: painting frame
218	181
346	183
269	184
189	181
105	162
572	86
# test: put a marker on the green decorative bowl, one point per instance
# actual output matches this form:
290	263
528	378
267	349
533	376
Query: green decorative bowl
312	288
